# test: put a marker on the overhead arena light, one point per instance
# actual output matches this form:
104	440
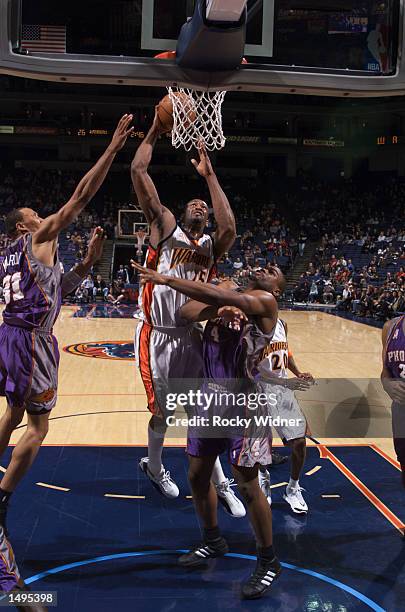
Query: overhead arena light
225	10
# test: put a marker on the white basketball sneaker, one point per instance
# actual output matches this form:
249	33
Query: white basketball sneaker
293	497
163	482
265	484
232	505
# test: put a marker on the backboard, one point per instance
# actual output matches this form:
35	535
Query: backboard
334	47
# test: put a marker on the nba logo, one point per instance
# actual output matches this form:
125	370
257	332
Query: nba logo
395	336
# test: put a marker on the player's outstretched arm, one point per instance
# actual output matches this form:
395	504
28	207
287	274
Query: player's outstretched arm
86	189
71	280
159	217
225	234
196	312
258	303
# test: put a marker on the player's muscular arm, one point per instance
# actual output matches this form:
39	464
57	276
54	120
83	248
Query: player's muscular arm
258	303
225	234
195	312
161	220
85	191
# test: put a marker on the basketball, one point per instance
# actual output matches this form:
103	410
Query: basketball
186	110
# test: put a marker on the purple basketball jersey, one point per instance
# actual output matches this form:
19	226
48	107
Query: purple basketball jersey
395	350
32	291
222	351
230	353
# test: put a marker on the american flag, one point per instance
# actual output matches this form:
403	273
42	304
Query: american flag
51	39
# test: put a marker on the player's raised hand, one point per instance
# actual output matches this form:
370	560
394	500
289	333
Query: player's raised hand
203	166
149	276
122	131
232	317
96	245
157	124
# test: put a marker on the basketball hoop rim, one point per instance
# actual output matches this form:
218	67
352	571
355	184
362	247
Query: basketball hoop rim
171	55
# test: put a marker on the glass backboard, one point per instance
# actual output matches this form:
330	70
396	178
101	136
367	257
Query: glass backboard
360	36
334	47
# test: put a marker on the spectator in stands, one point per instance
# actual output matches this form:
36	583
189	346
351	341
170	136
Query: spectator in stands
313	293
328	293
100	288
117	292
301	243
87	287
237	264
398	305
344	301
122	274
400	274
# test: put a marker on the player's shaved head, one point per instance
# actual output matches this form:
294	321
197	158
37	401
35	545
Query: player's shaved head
269	279
196	215
14	216
21	221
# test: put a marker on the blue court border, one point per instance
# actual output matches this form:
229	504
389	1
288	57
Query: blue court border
340	585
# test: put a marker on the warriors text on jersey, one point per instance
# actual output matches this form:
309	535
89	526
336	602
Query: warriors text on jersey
395	350
180	257
32	291
274	359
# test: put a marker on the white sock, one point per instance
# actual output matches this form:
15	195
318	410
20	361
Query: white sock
293	484
155	447
218	475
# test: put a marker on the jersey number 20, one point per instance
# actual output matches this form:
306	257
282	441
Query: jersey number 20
11	288
277	361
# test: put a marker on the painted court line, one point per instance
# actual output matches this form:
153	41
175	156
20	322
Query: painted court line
115	495
314	470
378	450
48	486
324	578
278	484
325	453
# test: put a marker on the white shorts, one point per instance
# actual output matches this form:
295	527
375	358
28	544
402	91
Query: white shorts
165	357
287	408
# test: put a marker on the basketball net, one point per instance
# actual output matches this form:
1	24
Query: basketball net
197	116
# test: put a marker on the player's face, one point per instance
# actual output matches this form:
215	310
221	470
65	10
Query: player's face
196	212
270	279
30	221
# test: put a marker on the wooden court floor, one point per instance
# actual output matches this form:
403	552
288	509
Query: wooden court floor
102	401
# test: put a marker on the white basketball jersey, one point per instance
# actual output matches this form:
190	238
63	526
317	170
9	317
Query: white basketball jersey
180	257
275	355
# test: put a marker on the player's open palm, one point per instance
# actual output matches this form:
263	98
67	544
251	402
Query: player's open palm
96	244
122	131
203	167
